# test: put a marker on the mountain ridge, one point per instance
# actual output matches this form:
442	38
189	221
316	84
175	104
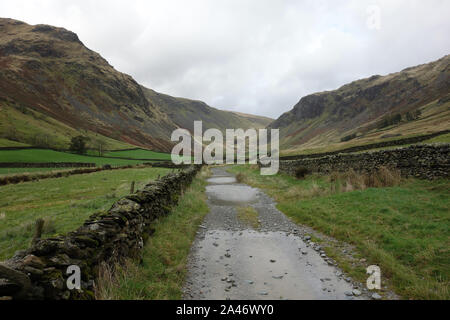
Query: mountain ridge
358	107
48	72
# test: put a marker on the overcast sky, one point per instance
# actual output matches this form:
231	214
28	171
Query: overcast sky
253	56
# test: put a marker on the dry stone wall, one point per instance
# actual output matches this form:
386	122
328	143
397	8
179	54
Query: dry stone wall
41	271
421	161
46	165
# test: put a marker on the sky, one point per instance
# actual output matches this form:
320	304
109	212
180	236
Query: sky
252	56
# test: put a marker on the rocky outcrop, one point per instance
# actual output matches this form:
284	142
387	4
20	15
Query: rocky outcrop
421	161
358	106
106	237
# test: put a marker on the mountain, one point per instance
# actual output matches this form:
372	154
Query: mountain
183	112
254	119
52	88
367	110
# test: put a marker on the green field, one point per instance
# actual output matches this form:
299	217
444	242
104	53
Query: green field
64	203
161	274
138	154
45	155
445	138
405	229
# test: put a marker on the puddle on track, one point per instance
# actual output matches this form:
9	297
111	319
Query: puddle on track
231	194
222	180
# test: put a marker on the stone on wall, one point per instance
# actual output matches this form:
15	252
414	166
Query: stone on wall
421	161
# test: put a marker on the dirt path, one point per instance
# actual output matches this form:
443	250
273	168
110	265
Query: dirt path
231	260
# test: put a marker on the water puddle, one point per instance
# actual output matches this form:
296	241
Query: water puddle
222	180
229	195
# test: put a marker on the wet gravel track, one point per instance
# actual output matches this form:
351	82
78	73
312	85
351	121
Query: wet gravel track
230	260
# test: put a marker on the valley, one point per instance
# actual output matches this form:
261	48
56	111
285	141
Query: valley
87	179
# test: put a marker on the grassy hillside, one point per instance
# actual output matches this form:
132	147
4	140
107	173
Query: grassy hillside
435	117
64	203
52	87
414	101
48	69
183	112
35	128
403	228
259	121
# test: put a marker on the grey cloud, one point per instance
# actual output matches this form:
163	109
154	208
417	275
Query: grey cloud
252	56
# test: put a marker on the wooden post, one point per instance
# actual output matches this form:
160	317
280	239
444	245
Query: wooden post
132	187
38	230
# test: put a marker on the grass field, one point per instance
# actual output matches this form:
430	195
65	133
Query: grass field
404	229
138	154
445	138
45	155
162	272
64	203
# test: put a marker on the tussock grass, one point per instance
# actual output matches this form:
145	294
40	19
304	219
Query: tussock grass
402	225
351	180
162	272
249	216
240	177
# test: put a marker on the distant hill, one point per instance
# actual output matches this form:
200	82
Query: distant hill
52	88
182	112
263	121
411	102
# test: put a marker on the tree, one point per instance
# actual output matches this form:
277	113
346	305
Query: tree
417	114
409	116
100	145
413	116
396	118
78	144
349	137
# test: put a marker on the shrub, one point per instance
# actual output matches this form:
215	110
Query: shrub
349	137
78	144
390	120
